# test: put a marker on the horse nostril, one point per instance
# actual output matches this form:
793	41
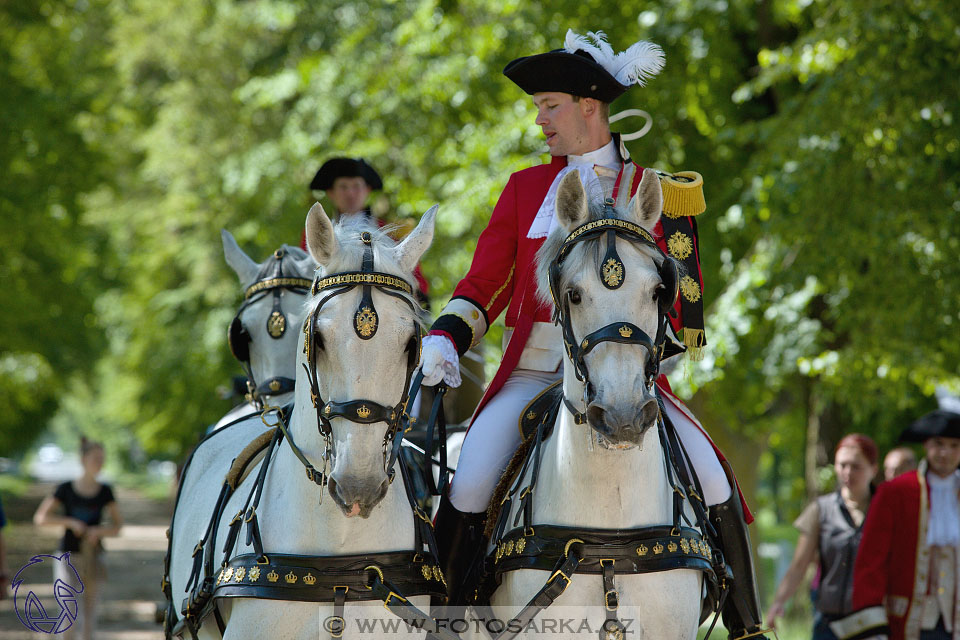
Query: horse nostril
597	418
649	412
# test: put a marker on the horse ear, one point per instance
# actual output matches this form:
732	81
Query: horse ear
321	241
409	252
571	208
245	268
647	203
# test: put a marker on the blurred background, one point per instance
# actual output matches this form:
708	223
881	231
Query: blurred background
132	131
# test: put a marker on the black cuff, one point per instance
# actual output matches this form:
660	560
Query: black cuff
459	330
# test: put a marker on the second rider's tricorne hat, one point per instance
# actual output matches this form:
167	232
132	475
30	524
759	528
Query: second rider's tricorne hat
346	168
587	66
936	424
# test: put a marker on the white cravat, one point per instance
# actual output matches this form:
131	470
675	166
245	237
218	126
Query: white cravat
605	156
944	527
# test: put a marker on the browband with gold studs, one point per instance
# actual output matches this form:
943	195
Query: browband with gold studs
352	279
273	283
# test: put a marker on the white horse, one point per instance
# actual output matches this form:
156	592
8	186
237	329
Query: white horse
609	473
363	340
263	335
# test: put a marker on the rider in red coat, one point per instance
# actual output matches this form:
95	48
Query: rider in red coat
572	89
906	578
348	182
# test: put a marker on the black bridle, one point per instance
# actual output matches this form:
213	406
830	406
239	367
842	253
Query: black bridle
270	279
365	323
612	274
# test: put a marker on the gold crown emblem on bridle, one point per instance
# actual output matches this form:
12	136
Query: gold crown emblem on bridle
626	331
291	578
273	576
309	579
364	411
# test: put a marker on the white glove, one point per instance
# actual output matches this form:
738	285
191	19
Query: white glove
439	361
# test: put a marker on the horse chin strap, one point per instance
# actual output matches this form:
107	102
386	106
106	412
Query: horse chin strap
365	324
612	274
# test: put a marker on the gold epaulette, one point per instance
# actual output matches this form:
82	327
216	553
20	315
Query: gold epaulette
682	194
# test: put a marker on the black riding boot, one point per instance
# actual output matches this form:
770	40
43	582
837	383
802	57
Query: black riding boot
741	611
459	539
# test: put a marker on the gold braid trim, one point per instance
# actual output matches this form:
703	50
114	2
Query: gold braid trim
502	287
694	340
683	194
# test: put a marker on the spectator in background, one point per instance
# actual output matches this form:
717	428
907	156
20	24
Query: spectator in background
897	461
906	578
4	572
830	530
82	503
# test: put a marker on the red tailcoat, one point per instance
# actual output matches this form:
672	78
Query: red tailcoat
503	276
890	575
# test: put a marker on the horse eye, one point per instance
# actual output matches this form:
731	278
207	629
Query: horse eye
574	296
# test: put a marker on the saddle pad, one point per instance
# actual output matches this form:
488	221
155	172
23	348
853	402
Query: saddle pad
542	408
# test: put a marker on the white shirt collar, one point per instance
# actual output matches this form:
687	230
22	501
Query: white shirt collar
943	528
605	156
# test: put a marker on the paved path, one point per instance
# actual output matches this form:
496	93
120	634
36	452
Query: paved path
134	563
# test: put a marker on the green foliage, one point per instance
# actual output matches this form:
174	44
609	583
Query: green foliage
825	133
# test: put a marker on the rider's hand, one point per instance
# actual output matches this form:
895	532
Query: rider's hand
439	361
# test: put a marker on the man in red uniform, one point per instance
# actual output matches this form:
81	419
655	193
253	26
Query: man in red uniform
571	88
906	580
348	183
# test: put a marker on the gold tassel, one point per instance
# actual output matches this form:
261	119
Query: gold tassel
694	340
683	194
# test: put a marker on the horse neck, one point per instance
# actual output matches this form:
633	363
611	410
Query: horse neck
582	483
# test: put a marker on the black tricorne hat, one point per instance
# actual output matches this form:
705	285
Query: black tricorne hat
587	67
346	168
936	424
574	73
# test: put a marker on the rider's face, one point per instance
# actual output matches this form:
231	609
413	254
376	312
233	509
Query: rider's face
943	455
562	122
349	194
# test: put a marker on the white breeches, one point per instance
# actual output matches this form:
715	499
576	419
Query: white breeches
495	435
493	438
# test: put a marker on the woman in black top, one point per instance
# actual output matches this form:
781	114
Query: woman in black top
82	503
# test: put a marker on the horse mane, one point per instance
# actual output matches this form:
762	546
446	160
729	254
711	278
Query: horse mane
584	255
349	257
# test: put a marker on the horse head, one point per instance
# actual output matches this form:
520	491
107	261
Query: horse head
361	341
263	334
610	285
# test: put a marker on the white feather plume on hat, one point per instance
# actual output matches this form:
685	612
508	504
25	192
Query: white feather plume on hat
640	62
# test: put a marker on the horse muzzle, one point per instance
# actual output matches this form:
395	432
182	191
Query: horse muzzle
356	497
626	425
